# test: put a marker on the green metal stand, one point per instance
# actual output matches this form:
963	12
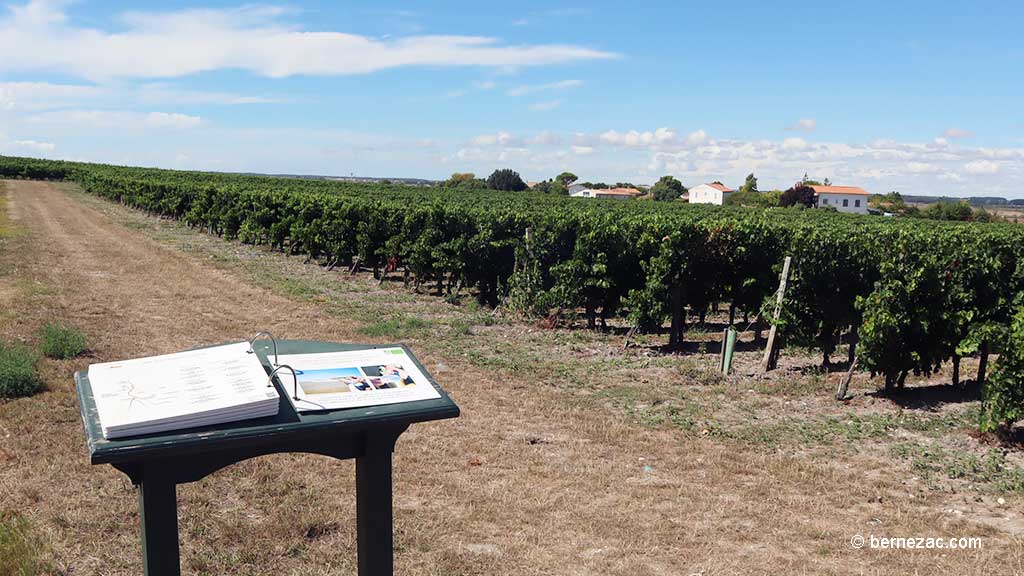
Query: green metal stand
158	463
158	509
374	508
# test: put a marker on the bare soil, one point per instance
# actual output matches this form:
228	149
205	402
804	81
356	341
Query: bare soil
572	456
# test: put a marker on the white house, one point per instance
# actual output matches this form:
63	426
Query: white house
614	193
575	189
843	198
714	193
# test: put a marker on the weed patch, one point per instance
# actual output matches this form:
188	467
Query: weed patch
18	374
991	469
61	341
396	327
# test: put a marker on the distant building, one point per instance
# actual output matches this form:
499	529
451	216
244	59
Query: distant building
619	193
843	198
575	189
713	193
616	193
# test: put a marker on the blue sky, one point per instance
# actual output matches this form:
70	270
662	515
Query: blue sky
919	97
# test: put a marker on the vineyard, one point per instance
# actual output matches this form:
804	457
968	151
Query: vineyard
910	294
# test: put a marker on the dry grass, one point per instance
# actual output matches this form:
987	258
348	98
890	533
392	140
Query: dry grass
571	457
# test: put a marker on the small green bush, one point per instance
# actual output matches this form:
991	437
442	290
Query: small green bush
60	341
18	375
20	548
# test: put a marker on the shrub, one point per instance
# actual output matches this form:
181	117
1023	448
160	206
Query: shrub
61	341
18	375
800	194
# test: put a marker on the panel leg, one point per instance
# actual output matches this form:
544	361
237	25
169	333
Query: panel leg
158	508
373	506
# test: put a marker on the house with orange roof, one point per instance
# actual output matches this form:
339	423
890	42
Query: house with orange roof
843	198
618	193
615	193
714	193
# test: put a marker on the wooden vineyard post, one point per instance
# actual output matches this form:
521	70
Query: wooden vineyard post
844	384
770	352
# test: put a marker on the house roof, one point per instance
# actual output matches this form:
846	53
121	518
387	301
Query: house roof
617	192
720	187
839	190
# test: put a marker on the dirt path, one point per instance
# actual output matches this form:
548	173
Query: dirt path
522	483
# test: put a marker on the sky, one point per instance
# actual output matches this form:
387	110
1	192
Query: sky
919	97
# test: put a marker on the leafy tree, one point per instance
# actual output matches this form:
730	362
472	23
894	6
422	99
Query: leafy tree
667	189
948	211
798	195
754	199
750	185
771	198
463	180
892	202
551	187
506	179
566	179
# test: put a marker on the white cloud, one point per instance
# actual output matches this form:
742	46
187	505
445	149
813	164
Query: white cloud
805	125
696	137
981	167
552	86
500	138
34	145
545	138
582	150
40	36
30	96
957	133
546	106
25	146
43	95
794	144
636	139
116	119
163	93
